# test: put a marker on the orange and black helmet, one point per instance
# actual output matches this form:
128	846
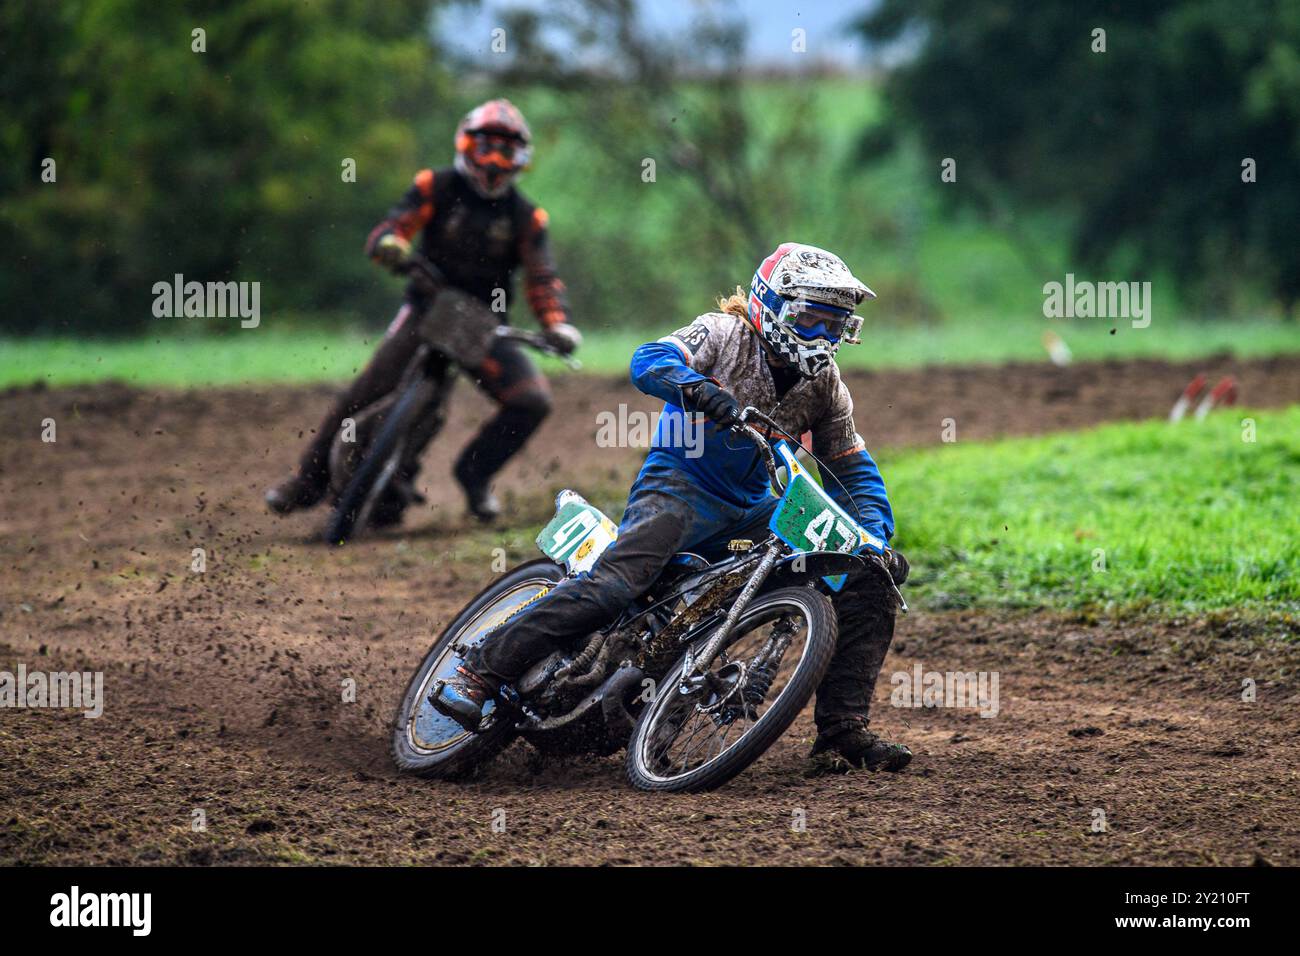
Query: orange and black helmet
493	145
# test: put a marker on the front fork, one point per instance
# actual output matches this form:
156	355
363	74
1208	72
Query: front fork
693	674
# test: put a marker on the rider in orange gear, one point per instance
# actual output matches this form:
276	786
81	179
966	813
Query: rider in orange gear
473	223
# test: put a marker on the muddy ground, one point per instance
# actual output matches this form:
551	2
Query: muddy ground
223	689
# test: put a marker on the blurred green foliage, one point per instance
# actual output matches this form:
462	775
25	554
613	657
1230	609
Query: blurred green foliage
1132	120
227	164
223	164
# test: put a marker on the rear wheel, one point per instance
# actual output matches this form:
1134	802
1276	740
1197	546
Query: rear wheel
428	744
698	734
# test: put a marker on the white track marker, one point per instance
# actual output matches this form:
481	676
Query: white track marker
1224	393
1057	350
1193	389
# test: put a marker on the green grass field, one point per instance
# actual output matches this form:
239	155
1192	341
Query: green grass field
1151	516
265	355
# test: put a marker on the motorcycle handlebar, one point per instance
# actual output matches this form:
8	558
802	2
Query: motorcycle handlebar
538	341
742	427
418	265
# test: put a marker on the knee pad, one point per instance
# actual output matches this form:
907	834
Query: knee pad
534	404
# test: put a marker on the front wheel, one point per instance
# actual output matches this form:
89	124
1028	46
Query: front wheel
383	459
428	744
698	734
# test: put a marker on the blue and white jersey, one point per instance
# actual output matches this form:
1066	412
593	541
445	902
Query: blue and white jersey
722	348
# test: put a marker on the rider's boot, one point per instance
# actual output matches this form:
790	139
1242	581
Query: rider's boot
401	495
388	512
462	696
496	443
858	748
294	493
482	504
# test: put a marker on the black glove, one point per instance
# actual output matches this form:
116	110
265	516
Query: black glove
897	566
716	403
392	251
563	337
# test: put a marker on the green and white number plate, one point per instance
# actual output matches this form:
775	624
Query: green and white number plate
577	535
808	519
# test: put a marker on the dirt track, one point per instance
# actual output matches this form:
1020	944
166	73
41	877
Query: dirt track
223	689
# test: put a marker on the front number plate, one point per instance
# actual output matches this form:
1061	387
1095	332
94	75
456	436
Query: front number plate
808	519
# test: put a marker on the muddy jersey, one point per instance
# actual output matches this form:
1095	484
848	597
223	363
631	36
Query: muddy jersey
478	243
723	348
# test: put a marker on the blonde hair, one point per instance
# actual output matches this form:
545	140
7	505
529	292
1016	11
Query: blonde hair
736	304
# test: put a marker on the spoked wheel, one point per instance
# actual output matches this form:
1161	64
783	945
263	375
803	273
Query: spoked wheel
373	478
699	733
425	742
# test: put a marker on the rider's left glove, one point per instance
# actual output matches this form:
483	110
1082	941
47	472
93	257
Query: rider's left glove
716	403
563	337
392	251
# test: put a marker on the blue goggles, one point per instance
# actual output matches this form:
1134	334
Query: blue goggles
816	320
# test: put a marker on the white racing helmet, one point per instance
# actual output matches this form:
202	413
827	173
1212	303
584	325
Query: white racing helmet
801	304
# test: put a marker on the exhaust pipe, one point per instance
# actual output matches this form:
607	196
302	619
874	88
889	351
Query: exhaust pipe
618	720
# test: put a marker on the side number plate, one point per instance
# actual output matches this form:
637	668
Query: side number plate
577	536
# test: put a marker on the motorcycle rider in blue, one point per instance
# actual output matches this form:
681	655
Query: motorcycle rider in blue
773	349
